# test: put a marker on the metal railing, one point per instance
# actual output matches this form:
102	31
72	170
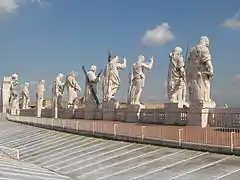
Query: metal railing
181	135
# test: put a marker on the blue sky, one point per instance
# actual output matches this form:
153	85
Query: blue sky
39	40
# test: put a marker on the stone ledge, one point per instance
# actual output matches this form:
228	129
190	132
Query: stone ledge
166	143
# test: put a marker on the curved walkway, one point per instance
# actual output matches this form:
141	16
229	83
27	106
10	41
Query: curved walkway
79	157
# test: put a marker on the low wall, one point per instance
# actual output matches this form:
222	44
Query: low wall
195	138
216	117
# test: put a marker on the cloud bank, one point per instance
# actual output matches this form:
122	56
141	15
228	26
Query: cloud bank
232	23
160	35
11	6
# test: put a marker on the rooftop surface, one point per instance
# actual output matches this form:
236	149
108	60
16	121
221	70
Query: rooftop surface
48	154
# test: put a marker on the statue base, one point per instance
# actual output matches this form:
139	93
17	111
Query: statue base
109	109
198	117
175	113
132	113
198	113
66	113
92	111
15	112
39	113
211	104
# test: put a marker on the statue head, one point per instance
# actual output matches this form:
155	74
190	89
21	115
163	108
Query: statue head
26	84
204	41
177	52
14	77
141	58
114	59
42	82
93	68
60	77
73	74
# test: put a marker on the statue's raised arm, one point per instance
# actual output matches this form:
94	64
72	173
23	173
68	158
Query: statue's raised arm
148	65
138	78
111	78
122	65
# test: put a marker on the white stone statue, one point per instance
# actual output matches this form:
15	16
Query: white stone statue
14	94
57	90
40	97
93	82
138	78
111	78
25	96
199	74
176	77
5	94
72	88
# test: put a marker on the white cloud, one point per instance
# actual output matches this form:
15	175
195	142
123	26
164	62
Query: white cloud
10	6
232	23
160	35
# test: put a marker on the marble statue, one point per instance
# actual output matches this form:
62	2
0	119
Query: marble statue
93	80
111	78
40	97
25	96
199	74
14	94
57	90
72	88
138	78
176	84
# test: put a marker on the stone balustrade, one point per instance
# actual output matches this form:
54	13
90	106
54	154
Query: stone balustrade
215	117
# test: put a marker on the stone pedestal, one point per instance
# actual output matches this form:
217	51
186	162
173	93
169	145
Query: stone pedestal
132	112
47	113
198	117
79	113
15	111
66	113
39	112
109	109
203	105
175	114
5	94
90	110
120	114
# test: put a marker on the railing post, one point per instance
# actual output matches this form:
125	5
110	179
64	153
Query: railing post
93	127
52	122
143	127
232	141
77	125
180	132
63	123
206	136
115	129
105	128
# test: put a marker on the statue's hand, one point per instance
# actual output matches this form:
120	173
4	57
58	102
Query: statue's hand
152	58
124	60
